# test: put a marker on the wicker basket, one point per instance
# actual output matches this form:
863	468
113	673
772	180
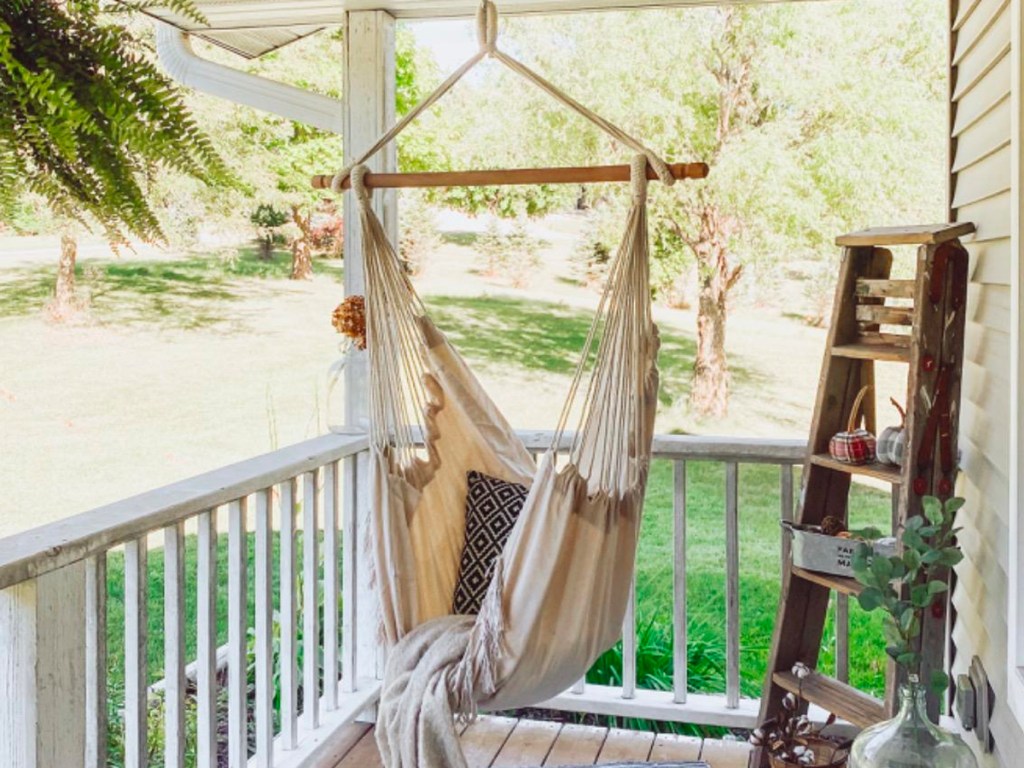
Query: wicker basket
826	752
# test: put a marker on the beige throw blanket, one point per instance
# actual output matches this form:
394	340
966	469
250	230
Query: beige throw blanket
416	725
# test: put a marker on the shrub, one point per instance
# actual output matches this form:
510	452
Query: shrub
418	235
513	256
267	219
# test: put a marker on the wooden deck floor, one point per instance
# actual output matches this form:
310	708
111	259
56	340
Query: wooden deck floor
502	742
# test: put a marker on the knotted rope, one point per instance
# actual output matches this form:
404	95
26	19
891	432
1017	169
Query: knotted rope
487	38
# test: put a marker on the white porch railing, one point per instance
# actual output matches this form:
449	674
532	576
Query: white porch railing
324	664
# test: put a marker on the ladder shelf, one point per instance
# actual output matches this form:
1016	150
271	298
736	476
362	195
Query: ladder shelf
919	323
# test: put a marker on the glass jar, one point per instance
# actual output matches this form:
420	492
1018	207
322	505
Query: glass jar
910	740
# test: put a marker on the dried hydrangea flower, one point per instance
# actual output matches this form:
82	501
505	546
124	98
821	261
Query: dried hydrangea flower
349	319
801	670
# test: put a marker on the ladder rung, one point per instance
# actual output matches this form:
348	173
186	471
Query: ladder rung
876	470
842	584
841	699
886	352
892	289
878	314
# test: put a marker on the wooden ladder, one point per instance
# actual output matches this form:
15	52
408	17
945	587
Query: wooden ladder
919	322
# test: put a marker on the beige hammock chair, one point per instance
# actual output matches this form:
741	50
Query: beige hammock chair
560	588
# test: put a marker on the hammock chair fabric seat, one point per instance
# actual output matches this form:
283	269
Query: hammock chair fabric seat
561	586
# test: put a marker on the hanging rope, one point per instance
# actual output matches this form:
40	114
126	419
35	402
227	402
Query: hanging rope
606	445
487	39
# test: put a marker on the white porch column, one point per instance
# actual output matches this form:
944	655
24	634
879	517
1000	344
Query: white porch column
369	95
42	671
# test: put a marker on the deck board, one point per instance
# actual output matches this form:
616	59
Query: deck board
483	740
669	747
503	742
364	753
621	745
528	745
577	745
725	754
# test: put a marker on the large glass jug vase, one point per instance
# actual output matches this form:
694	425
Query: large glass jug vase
910	740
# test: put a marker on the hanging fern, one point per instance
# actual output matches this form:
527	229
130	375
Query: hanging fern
86	117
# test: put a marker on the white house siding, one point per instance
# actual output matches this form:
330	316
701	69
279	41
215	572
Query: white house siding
980	192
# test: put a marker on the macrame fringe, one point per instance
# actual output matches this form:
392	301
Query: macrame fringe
368	545
476	675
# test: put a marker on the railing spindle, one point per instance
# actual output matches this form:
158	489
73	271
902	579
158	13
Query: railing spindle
331	503
264	631
206	640
679	613
310	602
174	646
629	645
842	638
96	661
288	613
238	740
732	583
348	574
136	670
786	508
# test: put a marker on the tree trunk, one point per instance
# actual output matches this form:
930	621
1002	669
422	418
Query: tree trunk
709	394
731	68
64	294
302	251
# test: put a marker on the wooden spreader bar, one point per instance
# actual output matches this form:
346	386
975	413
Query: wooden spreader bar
511	176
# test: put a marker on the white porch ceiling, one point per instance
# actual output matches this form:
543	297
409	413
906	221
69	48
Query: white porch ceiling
252	28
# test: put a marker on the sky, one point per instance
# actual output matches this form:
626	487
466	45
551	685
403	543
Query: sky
451	42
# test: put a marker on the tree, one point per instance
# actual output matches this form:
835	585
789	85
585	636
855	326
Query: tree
813	117
86	119
281	154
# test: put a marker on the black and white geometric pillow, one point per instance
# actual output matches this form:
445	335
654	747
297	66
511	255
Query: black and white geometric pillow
492	507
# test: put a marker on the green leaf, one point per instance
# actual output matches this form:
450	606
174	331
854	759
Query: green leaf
882	569
931	508
911	559
937	587
938	681
907	619
870	599
914	523
865	577
920	597
891	632
911	538
951	507
908	659
951	556
899	570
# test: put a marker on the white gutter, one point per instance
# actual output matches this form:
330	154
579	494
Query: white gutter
179	60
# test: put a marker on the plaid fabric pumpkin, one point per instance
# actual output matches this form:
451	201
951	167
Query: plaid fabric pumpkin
856	447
